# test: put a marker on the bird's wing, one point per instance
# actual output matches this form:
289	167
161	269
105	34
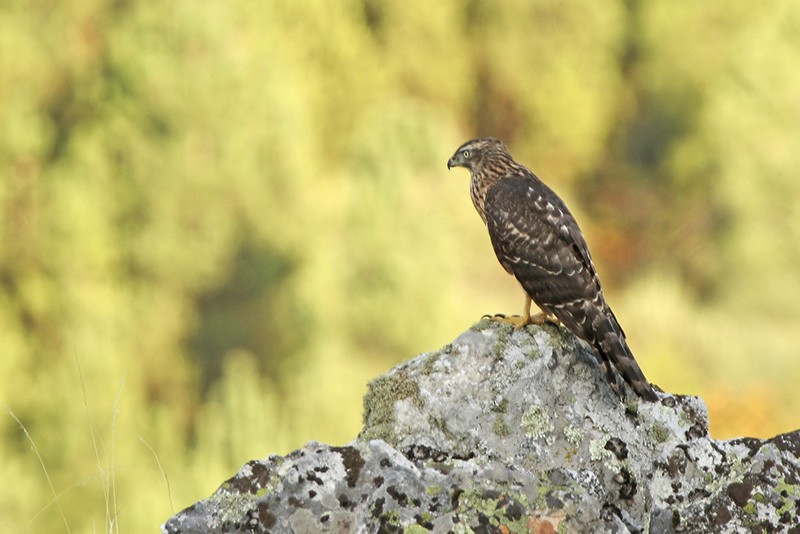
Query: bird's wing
537	240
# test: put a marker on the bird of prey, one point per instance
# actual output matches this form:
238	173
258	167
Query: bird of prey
538	241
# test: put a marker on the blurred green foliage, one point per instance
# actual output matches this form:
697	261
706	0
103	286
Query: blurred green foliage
219	220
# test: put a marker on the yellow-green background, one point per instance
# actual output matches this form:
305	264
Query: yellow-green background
220	219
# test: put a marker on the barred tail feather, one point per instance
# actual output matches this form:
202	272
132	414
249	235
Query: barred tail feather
609	341
594	322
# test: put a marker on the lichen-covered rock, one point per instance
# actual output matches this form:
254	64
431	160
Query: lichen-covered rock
514	431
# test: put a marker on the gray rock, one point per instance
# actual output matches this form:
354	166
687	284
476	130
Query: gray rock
514	431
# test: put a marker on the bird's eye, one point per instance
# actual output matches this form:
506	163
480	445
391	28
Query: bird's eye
465	153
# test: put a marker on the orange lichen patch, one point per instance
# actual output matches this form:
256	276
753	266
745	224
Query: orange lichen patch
545	524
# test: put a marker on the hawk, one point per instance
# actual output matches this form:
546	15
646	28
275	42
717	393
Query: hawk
538	241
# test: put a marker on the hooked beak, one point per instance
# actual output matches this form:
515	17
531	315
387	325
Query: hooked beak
452	163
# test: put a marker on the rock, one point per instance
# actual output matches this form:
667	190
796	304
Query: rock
514	431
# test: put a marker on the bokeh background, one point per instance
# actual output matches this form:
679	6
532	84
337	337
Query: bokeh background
221	219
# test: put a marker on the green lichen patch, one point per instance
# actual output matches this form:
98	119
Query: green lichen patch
391	517
503	337
430	362
632	407
501	407
598	451
500	427
573	435
502	511
382	395
536	423
660	433
434	490
789	496
231	507
533	352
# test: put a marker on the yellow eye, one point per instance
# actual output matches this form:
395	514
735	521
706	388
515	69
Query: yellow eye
465	153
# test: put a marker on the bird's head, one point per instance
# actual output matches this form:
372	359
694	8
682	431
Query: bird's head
473	154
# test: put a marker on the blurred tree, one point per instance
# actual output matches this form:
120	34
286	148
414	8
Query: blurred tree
252	311
633	193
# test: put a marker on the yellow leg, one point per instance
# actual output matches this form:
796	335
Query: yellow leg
526	313
525	319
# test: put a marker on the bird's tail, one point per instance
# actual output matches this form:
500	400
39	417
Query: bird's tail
609	341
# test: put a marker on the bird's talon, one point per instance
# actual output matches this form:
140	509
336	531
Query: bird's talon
514	320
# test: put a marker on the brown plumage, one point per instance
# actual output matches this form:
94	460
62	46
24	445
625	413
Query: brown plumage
538	241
